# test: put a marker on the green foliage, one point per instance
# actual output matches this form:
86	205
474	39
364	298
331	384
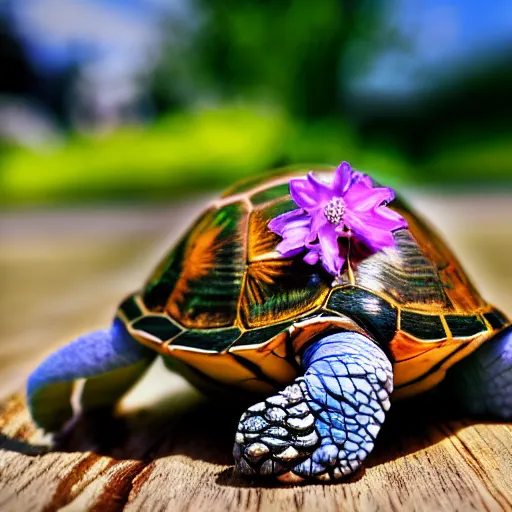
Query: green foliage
211	149
180	153
286	52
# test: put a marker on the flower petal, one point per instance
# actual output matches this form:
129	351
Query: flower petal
323	190
342	231
330	250
360	197
318	219
294	236
279	223
359	177
288	253
304	193
385	218
299	224
375	238
311	257
342	178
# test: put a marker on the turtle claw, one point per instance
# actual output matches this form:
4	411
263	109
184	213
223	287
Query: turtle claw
275	435
279	437
321	427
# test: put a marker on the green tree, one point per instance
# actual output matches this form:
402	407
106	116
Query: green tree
286	51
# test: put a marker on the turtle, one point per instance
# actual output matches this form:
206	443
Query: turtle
322	358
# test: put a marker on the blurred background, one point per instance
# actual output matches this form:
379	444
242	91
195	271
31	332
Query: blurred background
110	101
119	118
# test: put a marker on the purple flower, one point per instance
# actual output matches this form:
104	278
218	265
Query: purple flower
346	216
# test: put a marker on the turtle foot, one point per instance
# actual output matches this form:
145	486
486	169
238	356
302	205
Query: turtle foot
321	427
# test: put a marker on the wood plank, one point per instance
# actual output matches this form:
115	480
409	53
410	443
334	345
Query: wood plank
170	449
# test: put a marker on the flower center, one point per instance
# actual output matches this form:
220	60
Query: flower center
334	210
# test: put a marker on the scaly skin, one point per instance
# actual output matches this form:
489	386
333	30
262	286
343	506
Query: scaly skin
111	361
325	424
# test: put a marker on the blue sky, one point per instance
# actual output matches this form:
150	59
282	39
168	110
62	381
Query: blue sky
57	32
443	35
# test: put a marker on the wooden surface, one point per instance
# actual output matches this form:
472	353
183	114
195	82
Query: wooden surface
62	273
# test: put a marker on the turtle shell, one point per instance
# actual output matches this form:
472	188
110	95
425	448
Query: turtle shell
231	310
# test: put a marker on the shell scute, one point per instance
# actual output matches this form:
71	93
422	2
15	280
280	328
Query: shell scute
422	326
496	319
159	326
280	290
258	336
216	340
405	274
261	241
464	326
371	311
199	283
271	194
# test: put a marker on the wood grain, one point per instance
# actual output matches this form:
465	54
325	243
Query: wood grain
167	448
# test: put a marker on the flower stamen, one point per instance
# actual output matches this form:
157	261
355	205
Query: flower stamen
334	210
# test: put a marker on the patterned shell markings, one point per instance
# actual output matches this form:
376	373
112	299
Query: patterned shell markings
224	291
276	289
225	272
198	285
422	274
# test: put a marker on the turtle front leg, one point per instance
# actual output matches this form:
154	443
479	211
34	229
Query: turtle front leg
481	384
325	424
